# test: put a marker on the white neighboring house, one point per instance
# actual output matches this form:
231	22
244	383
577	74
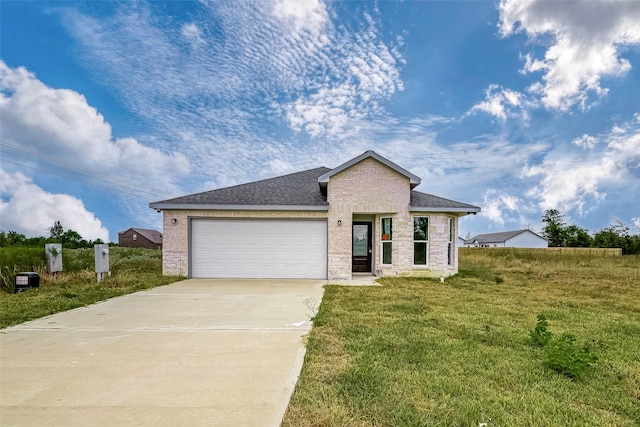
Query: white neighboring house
508	239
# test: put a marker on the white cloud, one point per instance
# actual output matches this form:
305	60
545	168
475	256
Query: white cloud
587	40
308	15
280	167
569	185
60	123
192	33
28	209
576	183
585	141
364	71
311	74
501	103
497	206
31	111
636	223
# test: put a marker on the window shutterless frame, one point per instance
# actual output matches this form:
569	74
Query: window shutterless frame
450	255
420	241
386	241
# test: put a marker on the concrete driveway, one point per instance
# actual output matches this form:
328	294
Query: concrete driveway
194	353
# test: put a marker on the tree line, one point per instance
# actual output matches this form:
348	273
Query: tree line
616	235
57	234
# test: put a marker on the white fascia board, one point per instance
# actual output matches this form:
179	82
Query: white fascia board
413	179
469	210
176	206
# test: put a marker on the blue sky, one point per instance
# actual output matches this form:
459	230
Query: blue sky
515	106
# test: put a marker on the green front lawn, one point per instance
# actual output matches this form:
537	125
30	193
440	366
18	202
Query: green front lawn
416	352
132	270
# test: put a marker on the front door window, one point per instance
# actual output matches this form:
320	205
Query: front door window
361	249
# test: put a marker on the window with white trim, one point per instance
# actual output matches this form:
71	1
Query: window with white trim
386	239
420	240
450	223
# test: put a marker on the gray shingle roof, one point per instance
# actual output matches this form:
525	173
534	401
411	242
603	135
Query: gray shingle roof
152	235
296	189
497	237
301	190
431	202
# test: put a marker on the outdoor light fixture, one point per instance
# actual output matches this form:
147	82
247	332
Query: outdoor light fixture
339	222
173	220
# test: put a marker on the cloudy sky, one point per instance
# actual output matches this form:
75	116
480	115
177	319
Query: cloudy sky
515	106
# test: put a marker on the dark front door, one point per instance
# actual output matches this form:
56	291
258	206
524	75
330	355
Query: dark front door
361	250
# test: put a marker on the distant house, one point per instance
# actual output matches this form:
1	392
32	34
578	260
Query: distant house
508	239
140	238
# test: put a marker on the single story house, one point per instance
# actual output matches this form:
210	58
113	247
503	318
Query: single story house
508	239
140	238
362	217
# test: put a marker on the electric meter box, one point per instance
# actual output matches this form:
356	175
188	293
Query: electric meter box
54	257
102	258
26	280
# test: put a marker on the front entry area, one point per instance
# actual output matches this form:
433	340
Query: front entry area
361	249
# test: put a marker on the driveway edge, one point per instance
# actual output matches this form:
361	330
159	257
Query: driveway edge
285	395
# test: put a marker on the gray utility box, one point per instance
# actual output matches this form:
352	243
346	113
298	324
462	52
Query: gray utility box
26	280
102	258
54	257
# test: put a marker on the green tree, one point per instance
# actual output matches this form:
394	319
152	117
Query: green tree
56	231
555	229
71	236
15	238
577	237
617	236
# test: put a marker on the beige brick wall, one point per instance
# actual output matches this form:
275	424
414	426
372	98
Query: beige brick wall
438	247
175	251
369	187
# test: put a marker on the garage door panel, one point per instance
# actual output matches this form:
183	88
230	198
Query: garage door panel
259	248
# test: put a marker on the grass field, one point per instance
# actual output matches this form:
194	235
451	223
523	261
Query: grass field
132	270
415	352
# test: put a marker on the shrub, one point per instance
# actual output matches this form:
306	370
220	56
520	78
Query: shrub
566	357
540	336
562	353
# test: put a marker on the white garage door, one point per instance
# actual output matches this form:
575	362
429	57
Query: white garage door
258	249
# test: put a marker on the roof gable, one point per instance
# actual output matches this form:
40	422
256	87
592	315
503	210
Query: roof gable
413	179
